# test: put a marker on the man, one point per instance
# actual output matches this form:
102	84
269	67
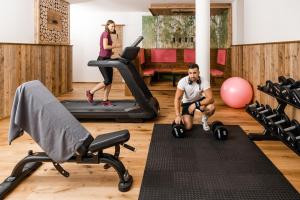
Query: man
196	94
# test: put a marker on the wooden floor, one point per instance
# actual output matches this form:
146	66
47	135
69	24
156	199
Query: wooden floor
93	182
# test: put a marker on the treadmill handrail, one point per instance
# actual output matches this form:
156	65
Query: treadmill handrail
137	41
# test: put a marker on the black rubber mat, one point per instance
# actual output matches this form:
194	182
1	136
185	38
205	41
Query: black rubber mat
200	167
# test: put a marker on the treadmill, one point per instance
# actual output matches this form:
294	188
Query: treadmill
143	107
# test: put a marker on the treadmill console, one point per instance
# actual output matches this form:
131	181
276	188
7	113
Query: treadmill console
130	53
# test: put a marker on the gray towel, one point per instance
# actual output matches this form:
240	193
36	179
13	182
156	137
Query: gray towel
36	111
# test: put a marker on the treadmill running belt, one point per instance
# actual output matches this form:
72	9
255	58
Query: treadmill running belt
97	106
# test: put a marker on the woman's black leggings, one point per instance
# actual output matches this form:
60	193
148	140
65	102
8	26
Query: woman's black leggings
107	72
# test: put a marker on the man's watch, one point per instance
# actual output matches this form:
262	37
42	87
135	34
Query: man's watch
198	104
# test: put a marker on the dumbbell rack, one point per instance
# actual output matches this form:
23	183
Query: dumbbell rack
268	133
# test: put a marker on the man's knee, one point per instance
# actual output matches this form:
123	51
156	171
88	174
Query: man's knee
188	126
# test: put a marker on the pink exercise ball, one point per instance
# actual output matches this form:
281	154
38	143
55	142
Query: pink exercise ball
236	92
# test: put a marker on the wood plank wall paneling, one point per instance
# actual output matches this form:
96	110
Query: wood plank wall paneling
51	64
260	62
1	80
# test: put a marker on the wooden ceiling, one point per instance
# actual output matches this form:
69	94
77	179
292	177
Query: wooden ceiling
184	8
172	9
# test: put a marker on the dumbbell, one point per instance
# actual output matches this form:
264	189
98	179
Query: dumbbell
277	86
286	90
268	87
275	115
296	97
282	119
178	130
255	110
293	139
219	131
280	125
260	114
250	107
294	127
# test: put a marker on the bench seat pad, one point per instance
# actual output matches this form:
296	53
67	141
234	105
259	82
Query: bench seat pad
109	139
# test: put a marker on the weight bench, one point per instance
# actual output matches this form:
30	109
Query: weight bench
89	152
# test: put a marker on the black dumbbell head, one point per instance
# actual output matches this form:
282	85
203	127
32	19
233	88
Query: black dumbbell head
255	109
295	85
219	131
276	89
253	105
282	79
178	130
216	124
292	140
250	107
296	97
268	87
290	81
286	90
285	93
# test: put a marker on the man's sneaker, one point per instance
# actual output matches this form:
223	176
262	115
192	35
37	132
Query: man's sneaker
205	123
89	96
107	103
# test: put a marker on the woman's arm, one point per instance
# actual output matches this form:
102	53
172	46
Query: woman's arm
106	46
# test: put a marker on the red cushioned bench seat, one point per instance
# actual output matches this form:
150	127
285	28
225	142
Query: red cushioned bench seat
148	72
216	72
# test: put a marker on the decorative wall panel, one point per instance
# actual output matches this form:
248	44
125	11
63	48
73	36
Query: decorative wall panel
52	22
179	31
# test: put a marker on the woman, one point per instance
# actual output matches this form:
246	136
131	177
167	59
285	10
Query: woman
106	47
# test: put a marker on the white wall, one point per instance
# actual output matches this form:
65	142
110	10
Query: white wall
86	28
17	21
254	21
237	21
265	21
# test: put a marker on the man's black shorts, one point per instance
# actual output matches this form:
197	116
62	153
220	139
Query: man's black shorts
185	109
